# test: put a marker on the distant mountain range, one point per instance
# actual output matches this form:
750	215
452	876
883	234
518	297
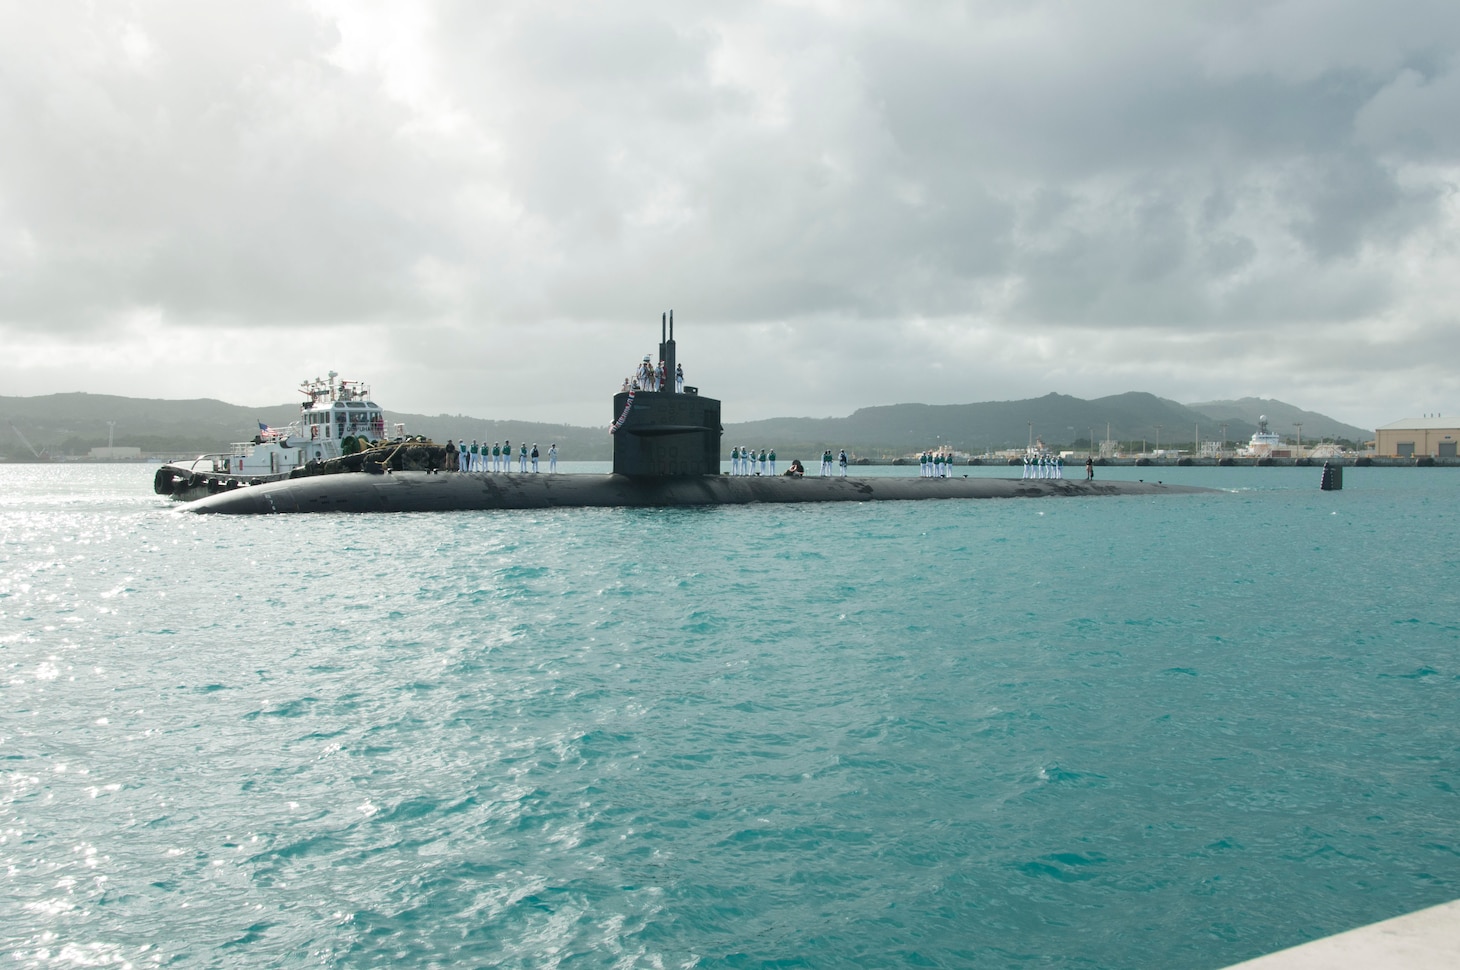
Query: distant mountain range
72	424
1058	419
1282	418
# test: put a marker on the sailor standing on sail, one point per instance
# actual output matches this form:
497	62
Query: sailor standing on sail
507	456
522	458
553	458
534	457
679	378
842	460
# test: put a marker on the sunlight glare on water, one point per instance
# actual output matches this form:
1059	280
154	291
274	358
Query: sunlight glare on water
1180	731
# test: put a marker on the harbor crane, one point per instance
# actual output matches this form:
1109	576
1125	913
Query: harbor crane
40	456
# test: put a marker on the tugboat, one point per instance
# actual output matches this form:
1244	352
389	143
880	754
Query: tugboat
332	414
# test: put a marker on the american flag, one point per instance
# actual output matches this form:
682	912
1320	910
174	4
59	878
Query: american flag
267	432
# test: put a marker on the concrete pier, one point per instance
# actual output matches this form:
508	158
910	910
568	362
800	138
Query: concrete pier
1426	940
421	492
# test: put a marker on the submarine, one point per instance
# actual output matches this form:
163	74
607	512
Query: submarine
666	453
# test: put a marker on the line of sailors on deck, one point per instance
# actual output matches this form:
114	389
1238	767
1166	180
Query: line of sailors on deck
745	461
651	378
1044	466
748	461
476	457
935	464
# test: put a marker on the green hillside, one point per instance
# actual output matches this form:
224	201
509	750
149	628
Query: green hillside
1282	418
1060	420
72	424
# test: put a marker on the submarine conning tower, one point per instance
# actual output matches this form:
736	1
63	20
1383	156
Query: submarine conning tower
662	433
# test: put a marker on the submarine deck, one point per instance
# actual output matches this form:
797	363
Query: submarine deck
421	492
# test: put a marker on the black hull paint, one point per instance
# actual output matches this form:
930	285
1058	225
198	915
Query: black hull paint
421	492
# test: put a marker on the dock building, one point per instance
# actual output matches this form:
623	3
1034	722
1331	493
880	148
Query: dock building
1435	436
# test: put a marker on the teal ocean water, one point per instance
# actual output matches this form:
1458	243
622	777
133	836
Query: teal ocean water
1173	732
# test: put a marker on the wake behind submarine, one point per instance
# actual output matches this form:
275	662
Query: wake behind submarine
666	453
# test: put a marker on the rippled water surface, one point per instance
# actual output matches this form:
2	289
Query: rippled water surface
1058	733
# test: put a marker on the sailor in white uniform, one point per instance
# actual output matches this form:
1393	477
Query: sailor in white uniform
534	457
679	378
842	460
553	458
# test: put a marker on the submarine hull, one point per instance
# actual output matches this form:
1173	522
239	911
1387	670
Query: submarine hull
422	492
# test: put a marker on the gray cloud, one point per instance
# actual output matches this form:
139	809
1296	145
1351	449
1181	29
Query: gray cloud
847	207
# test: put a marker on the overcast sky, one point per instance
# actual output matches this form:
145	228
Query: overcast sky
483	208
